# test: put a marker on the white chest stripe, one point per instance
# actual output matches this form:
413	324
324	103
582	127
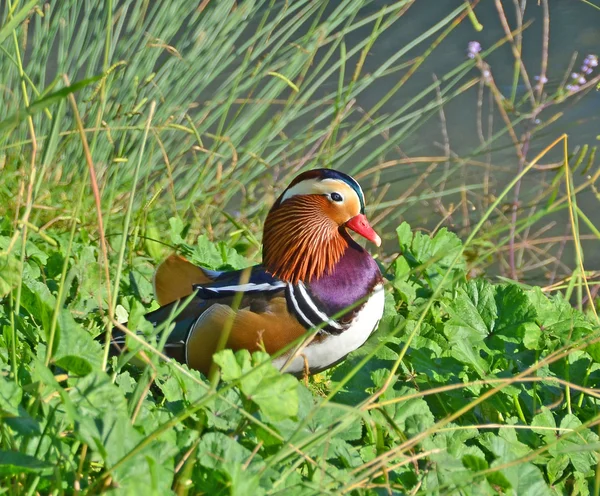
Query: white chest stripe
325	353
314	308
300	313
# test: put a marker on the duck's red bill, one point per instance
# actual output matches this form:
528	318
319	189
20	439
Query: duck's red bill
360	225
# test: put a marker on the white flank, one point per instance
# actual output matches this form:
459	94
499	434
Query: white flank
335	347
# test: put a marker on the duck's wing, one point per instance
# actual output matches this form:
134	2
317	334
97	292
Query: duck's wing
267	315
261	320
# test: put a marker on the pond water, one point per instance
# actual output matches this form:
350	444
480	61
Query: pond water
574	27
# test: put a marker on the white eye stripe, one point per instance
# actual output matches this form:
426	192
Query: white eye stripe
302	188
318	187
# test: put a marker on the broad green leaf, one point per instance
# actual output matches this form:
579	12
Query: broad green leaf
455	447
579	446
45	376
24	424
556	467
35	253
231	259
474	463
141	279
233	365
87	269
39	302
438	369
402	282
526	480
411	415
469	354
104	422
347	454
225	412
311	417
405	235
102	416
556	316
177	386
544	419
16	463
531	335
472	313
10	397
74	349
10	272
218	451
176	230
498	480
206	253
125	382
274	393
594	351
429	256
389	322
441	250
580	486
504	449
151	244
514	311
244	482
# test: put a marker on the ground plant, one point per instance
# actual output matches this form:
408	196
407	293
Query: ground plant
130	129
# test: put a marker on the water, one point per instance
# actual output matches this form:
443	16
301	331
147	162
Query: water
573	28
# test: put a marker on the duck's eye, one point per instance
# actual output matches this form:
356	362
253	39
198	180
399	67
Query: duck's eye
336	197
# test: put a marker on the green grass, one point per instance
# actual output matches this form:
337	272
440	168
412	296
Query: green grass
131	128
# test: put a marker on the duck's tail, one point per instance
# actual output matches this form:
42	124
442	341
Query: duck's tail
175	277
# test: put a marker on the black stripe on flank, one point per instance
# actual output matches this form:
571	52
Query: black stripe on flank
300	307
294	307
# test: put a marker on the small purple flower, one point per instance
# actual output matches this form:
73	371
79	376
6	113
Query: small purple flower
541	79
575	75
591	60
572	87
582	80
586	69
473	48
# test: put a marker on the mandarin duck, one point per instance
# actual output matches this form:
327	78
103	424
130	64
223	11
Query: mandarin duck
313	276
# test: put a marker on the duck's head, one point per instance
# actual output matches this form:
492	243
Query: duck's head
305	232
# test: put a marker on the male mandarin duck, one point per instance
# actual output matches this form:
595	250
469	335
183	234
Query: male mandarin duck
313	274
